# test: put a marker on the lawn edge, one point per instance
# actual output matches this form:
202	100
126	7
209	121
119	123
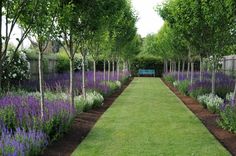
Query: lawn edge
82	126
208	119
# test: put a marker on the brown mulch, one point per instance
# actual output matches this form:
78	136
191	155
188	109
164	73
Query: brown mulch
82	125
227	139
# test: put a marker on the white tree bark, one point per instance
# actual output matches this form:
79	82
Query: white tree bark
94	73
104	70
183	68
72	82
118	69
234	94
192	72
83	77
41	83
188	70
109	71
200	74
113	68
213	80
179	70
124	68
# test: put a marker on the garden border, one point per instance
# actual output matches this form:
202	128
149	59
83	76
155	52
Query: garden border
81	127
227	139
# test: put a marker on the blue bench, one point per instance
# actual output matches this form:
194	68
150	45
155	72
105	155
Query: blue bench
146	72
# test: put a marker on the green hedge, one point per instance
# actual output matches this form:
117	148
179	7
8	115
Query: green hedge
147	63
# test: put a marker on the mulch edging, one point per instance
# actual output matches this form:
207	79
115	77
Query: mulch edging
82	125
227	139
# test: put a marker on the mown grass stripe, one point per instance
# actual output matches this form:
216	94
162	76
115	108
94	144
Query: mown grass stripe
148	119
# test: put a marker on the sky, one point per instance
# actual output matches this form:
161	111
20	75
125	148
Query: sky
148	19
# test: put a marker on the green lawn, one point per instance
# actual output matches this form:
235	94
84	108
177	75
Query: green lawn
148	119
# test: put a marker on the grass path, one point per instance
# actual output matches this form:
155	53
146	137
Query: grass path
147	120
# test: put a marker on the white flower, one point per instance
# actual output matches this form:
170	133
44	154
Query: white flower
23	56
118	83
14	75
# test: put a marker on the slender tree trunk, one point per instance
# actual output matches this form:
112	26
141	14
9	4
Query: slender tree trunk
200	74
183	68
104	70
113	68
1	47
123	68
118	69
83	76
72	82
167	66
234	94
213	80
109	71
179	70
1	74
174	67
94	73
192	72
129	66
71	57
41	84
188	70
164	66
170	67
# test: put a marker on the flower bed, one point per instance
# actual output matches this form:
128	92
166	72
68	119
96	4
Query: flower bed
23	131
220	103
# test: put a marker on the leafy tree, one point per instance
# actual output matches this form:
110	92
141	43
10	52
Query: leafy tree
42	28
11	11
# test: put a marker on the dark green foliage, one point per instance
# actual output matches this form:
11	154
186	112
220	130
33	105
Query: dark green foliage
183	86
199	91
147	63
228	118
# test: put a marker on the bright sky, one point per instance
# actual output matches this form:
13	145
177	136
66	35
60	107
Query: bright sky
148	19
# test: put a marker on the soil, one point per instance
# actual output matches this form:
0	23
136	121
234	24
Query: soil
227	139
82	125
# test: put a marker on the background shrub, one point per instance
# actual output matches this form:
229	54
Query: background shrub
146	62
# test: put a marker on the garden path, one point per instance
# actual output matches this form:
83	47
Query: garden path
148	119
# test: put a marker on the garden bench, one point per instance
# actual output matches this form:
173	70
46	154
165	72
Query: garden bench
146	72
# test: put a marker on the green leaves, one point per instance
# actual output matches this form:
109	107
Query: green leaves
206	25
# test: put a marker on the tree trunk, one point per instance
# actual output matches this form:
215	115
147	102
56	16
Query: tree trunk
170	67
104	70
94	73
183	68
213	80
200	72
1	74
118	70
188	70
72	82
83	76
164	66
179	70
113	69
192	72
233	98
123	68
41	84
1	61
109	71
128	65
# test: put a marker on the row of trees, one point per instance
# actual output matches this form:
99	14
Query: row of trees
101	29
193	31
